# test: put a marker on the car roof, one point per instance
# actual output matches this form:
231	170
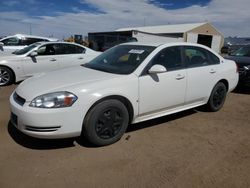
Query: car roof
59	42
156	44
30	36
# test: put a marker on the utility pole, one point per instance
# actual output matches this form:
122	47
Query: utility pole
30	29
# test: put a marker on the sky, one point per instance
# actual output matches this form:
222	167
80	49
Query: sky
63	18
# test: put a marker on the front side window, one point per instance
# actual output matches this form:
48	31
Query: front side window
170	58
26	49
13	41
48	49
122	59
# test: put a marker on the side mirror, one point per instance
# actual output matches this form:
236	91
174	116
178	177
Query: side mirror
155	69
33	54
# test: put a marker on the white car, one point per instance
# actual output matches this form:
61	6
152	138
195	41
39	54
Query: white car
128	83
42	57
10	44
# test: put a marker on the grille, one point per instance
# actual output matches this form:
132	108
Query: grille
19	100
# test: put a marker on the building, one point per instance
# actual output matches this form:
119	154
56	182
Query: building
202	33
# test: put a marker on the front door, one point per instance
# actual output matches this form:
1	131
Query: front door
163	91
45	61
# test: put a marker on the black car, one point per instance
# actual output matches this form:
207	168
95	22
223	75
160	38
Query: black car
242	58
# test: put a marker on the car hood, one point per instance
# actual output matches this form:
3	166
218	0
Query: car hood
5	58
61	80
239	60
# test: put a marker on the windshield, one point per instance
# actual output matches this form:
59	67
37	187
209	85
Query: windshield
242	52
26	49
123	59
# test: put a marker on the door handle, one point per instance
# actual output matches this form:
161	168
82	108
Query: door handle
179	77
53	59
80	58
212	71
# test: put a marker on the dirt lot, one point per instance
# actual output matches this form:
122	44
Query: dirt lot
189	149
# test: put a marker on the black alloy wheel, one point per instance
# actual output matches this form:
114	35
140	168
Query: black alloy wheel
106	122
109	123
217	97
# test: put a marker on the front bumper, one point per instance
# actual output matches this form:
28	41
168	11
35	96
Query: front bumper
46	123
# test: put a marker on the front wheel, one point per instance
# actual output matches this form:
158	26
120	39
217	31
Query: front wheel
106	122
6	76
217	97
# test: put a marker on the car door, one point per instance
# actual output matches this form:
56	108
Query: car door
202	73
72	55
163	91
45	61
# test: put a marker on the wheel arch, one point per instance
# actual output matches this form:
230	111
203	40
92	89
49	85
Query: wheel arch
120	98
224	81
13	72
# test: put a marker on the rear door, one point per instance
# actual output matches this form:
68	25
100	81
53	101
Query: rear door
202	73
71	55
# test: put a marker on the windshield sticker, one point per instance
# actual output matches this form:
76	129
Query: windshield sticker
134	51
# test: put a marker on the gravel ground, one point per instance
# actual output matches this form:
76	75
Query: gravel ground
189	149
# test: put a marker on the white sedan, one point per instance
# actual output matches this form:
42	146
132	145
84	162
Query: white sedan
10	44
42	57
129	83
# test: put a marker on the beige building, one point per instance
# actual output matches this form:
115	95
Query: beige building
202	33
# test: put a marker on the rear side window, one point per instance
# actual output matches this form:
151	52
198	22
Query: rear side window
170	58
213	58
69	49
196	57
12	41
28	41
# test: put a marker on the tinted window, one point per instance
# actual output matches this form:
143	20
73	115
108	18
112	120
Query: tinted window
123	59
170	58
48	49
13	41
196	56
28	41
243	51
68	49
26	49
213	58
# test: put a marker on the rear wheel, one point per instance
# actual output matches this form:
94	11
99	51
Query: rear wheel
6	76
106	122
217	97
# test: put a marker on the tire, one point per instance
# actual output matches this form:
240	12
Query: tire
217	97
106	122
6	76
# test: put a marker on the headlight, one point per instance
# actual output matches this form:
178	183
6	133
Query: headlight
54	100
